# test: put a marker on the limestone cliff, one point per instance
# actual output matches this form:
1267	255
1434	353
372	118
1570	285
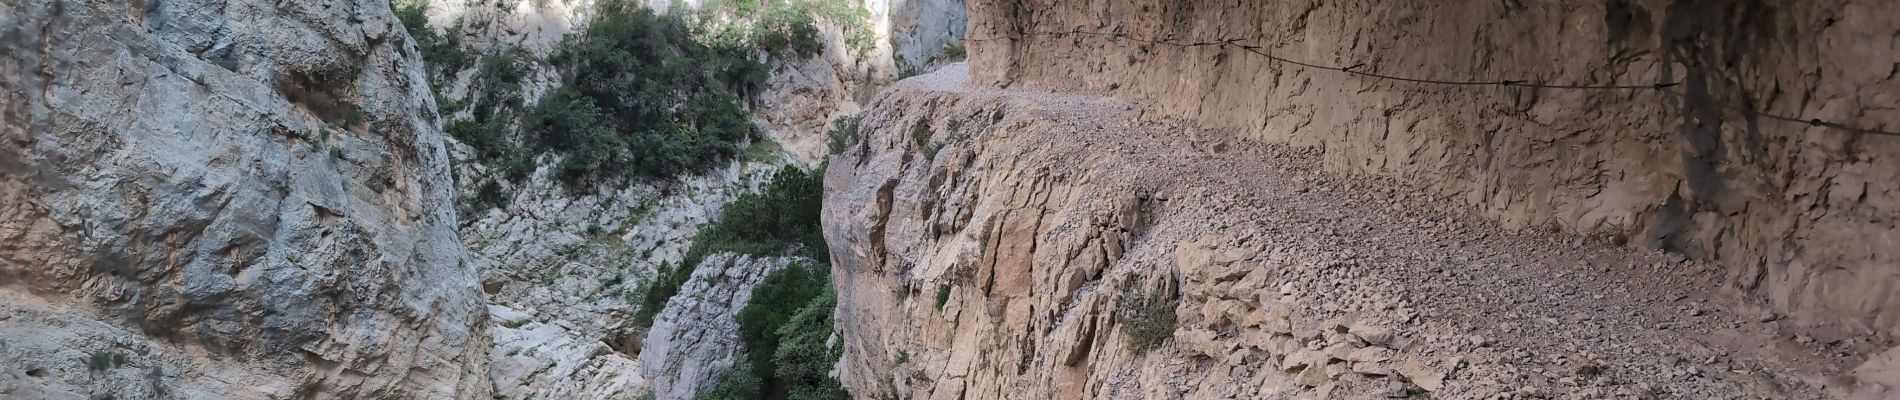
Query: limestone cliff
1800	216
229	199
696	339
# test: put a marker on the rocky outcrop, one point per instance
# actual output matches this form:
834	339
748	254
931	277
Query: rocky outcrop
536	356
1006	243
804	96
920	30
1800	216
231	199
695	341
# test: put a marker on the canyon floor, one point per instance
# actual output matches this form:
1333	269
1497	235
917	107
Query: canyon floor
1514	313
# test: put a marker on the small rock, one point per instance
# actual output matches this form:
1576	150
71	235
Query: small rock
1370	333
1369	354
1334	370
1397	390
1340	351
1311	377
1372	368
1767	316
1325	392
1301	359
1415	371
1588	370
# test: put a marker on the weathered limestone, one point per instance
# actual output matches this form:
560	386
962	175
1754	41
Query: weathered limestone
226	199
1018	243
695	341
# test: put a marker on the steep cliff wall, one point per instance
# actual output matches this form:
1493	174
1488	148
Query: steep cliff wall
212	199
1802	216
1026	244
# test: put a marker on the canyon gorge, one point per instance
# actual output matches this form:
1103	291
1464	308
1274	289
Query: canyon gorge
949	199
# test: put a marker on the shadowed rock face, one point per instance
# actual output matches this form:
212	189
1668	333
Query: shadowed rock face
235	199
1803	217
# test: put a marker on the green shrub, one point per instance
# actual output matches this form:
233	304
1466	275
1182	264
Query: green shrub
789	28
787	31
779	220
803	359
783	218
953	51
738	384
784	327
490	194
665	285
489	137
643	97
772	305
101	361
1148	319
844	131
442	53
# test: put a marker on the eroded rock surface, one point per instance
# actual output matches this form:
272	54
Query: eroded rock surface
563	264
231	199
1801	216
1008	243
695	341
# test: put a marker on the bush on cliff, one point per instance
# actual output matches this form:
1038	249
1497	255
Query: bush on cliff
784	327
641	96
782	219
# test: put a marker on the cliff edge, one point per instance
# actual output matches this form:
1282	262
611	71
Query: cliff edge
1027	243
1801	217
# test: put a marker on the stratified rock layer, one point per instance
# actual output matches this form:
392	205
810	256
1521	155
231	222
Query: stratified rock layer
226	199
1802	216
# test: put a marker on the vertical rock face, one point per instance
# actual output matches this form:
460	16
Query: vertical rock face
921	28
696	340
231	199
1801	215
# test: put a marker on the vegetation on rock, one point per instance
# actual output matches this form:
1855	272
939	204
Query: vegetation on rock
782	219
642	96
785	326
1147	319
